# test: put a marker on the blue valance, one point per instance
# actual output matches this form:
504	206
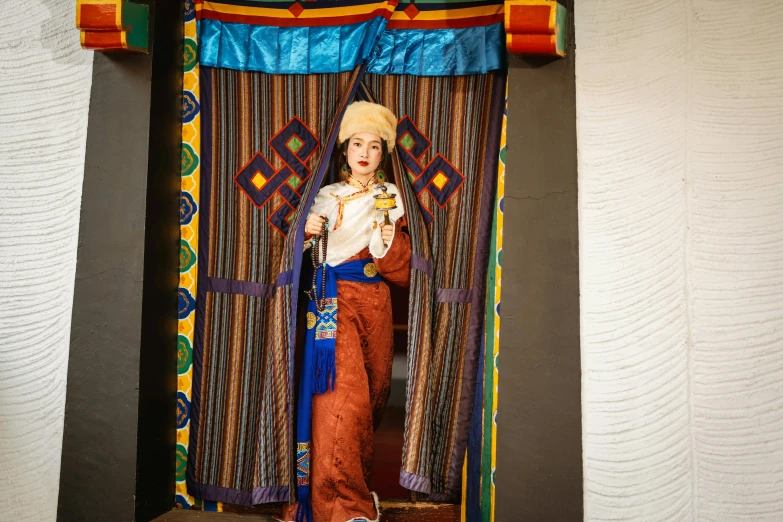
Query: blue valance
287	50
440	52
420	39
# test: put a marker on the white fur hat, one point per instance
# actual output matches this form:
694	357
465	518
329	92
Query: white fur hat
362	116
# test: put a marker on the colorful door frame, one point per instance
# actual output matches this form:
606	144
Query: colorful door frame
481	441
539	470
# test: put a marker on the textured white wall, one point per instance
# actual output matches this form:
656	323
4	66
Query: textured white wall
44	93
680	132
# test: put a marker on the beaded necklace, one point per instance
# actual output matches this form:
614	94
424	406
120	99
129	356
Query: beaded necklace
319	258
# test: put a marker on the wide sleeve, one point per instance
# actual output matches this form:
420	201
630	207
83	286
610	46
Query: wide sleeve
395	265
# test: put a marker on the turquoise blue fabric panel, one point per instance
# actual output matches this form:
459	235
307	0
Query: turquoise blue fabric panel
287	50
440	52
263	47
327	49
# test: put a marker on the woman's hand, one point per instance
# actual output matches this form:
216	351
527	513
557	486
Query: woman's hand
314	224
387	233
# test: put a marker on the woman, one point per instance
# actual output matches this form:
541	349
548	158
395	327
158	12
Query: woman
346	368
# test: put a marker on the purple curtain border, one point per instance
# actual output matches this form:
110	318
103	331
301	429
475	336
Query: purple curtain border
422	265
233	286
454	295
240	497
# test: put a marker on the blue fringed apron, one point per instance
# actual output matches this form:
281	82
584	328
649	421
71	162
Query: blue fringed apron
317	373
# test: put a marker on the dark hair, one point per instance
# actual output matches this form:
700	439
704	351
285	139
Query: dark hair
342	160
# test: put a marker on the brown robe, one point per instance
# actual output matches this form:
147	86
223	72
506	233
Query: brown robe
344	419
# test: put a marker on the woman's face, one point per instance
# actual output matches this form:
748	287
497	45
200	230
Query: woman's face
364	153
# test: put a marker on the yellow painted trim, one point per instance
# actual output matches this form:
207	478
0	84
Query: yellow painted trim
464	506
326	12
82	39
192	184
118	17
79	14
501	191
451	14
530	2
124	39
552	17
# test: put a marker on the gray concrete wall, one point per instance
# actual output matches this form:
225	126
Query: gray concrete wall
539	453
118	444
99	442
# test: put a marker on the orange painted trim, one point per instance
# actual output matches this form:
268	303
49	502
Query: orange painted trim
532	44
99	15
530	19
531	27
103	40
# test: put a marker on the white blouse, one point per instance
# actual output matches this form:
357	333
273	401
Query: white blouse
351	214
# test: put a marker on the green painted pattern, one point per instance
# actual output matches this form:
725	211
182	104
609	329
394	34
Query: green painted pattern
182	462
189	161
189	55
187	257
184	356
489	377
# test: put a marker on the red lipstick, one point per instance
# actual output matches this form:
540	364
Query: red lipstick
362	163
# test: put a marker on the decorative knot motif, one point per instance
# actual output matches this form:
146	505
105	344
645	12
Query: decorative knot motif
294	144
440	178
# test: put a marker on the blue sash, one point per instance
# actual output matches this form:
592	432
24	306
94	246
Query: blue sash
317	373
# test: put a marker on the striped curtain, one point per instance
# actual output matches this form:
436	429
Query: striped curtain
268	121
259	160
451	182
